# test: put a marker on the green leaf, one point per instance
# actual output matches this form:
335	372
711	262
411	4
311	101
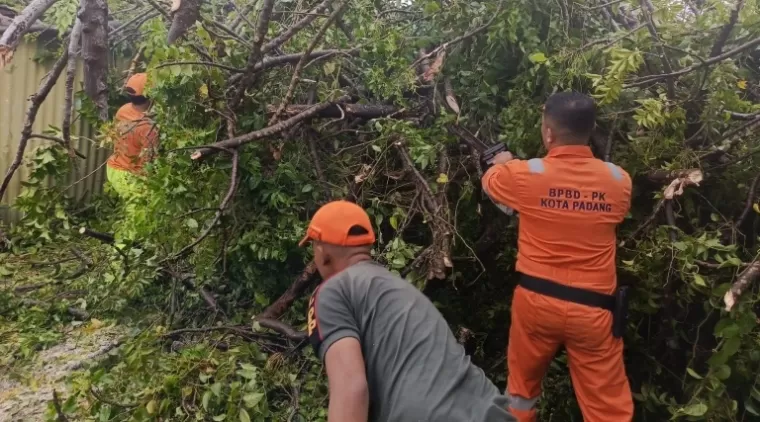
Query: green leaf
244	416
307	188
205	399
699	281
723	372
442	178
219	418
537	57
252	399
698	409
751	408
216	389
191	223
151	407
693	373
394	222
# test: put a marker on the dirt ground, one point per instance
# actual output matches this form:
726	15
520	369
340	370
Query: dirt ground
27	400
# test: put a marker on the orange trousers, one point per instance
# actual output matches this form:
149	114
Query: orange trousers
540	325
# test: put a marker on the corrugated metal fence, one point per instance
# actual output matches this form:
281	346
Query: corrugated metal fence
19	80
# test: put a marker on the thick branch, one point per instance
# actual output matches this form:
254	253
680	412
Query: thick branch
58	141
71	69
303	282
282	328
299	67
184	18
31	114
94	17
103	237
717	47
12	36
258	39
290	32
743	281
364	111
667	176
266	132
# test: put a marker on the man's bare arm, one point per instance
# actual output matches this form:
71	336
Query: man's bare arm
347	380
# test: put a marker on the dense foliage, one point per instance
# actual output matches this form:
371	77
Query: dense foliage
212	240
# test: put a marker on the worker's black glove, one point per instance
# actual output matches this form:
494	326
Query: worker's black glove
487	156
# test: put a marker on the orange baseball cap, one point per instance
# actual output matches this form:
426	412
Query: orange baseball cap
136	84
334	221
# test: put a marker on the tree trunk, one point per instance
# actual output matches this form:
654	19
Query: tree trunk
94	17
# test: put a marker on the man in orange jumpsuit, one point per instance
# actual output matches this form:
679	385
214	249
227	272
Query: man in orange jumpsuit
569	205
135	141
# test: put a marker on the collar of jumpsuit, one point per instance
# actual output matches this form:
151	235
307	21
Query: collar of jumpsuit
561	151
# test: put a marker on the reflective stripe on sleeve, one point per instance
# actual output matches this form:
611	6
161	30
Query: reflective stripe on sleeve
520	403
616	173
536	165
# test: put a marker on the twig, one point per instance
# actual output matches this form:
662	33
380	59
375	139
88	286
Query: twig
109	402
460	38
648	9
219	211
750	201
652	78
202	63
133	65
646	222
299	67
58	141
60	417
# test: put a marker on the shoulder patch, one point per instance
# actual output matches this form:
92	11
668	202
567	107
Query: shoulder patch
615	170
312	329
536	165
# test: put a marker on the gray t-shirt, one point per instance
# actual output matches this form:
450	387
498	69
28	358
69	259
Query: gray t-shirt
416	370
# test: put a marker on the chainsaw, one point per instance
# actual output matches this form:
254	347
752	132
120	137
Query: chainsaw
487	155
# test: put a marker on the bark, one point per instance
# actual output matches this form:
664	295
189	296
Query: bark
12	36
94	17
37	99
365	111
743	281
184	18
266	132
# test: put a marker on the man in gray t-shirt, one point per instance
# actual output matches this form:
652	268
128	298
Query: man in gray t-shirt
389	354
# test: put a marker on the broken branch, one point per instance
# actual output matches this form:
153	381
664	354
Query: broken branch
12	36
267	131
747	277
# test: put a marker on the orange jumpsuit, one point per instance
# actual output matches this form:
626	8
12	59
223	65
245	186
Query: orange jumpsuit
569	205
